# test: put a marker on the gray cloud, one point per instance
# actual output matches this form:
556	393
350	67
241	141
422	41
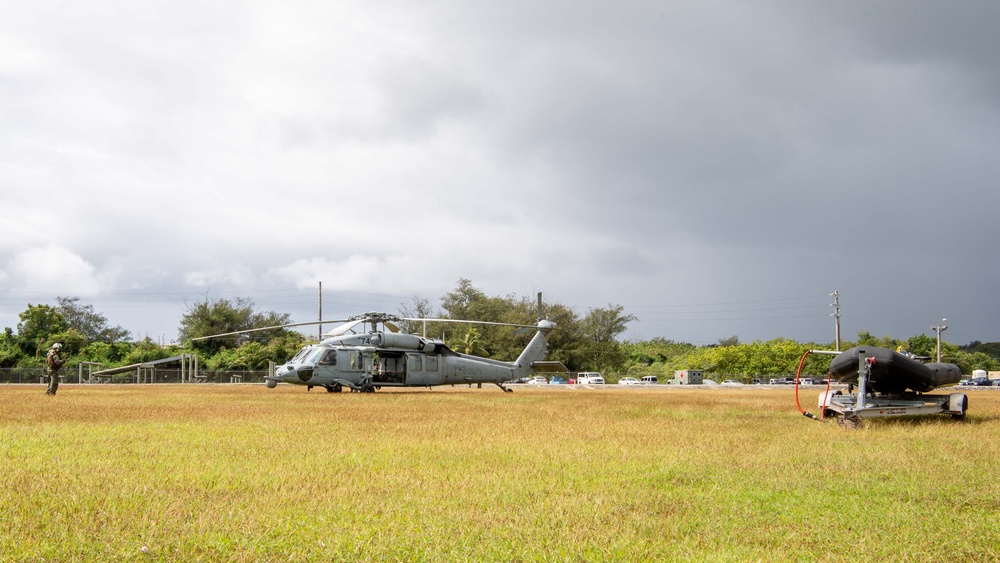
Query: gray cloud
733	162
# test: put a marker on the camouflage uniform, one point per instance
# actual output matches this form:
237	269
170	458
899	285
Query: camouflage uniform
54	361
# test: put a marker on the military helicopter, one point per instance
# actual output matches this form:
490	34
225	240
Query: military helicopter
378	358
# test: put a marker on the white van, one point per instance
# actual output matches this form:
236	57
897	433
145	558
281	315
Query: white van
650	380
589	378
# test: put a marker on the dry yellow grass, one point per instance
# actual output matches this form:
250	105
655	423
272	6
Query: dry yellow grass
244	473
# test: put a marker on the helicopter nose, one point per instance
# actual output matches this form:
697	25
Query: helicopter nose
303	373
294	373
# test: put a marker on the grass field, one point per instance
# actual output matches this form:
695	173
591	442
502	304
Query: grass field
244	473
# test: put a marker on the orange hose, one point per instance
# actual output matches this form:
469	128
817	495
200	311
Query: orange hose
797	374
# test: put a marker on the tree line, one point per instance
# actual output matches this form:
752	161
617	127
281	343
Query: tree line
588	342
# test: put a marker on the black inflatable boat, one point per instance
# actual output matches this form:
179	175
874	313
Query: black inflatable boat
893	372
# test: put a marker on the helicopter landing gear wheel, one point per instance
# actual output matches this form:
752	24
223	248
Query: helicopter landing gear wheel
335	388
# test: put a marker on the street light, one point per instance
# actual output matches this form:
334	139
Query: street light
939	328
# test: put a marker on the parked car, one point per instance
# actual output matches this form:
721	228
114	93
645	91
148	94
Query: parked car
650	380
589	378
538	380
731	382
556	380
628	381
981	382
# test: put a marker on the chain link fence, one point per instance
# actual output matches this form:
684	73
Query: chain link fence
39	375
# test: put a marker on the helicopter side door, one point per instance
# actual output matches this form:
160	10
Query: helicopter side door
391	368
326	366
352	365
423	369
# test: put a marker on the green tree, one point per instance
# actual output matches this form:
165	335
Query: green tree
37	325
251	355
991	349
420	308
469	344
654	355
106	354
222	316
91	324
464	302
601	328
10	351
467	302
281	348
72	341
865	338
147	351
731	341
970	361
922	345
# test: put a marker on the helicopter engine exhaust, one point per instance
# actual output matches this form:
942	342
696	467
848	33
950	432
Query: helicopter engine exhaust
397	340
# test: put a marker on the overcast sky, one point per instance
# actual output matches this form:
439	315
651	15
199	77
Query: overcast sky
715	167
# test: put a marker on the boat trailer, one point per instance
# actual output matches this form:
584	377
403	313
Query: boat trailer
852	407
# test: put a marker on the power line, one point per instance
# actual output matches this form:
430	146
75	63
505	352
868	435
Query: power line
775	300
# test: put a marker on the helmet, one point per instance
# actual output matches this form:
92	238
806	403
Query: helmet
57	346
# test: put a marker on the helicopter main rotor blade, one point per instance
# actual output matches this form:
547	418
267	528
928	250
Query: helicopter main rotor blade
264	328
346	327
469	322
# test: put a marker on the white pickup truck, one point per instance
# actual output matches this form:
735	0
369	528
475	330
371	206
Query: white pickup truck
589	378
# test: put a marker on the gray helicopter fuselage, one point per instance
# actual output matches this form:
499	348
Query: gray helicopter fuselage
377	359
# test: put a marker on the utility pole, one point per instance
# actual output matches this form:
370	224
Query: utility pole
939	328
320	311
836	313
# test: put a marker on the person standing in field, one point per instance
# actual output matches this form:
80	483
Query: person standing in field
54	361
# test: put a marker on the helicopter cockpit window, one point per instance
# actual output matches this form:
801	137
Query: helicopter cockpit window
301	354
313	357
329	358
432	363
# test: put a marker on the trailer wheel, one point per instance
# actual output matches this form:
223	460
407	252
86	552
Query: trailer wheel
965	407
850	422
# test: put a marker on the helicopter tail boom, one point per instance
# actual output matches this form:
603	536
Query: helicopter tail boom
535	350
